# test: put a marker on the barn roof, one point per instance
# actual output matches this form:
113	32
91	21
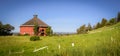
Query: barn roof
35	20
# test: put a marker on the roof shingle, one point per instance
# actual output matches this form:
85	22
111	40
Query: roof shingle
35	20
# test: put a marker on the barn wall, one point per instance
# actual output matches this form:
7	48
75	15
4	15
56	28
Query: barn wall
44	28
29	30
26	30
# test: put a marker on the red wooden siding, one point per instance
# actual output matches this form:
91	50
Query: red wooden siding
29	30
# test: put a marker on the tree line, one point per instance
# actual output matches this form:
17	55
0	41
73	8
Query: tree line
104	22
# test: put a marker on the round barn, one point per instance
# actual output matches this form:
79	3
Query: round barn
27	27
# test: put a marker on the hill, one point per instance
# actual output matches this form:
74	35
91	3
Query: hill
101	42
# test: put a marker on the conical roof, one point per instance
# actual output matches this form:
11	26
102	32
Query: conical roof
35	20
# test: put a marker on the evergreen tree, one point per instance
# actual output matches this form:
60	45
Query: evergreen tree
112	21
98	25
103	22
118	17
1	25
82	29
89	27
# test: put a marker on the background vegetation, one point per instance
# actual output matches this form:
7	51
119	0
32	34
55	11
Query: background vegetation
104	22
5	29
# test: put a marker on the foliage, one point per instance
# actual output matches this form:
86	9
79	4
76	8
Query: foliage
98	25
34	38
89	28
6	29
111	21
82	30
26	34
36	29
49	31
103	22
118	17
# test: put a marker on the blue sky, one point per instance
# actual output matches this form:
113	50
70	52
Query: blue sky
62	15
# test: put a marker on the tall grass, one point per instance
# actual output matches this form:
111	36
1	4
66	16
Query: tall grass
103	42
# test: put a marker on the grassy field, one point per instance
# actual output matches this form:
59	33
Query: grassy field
101	42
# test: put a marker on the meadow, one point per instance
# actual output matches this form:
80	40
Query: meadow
104	41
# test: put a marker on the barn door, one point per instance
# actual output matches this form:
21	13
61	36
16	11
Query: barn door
42	32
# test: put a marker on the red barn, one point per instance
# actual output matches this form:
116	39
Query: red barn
27	28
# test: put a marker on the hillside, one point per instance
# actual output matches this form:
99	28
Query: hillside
101	42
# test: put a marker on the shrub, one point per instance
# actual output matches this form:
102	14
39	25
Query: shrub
34	38
49	31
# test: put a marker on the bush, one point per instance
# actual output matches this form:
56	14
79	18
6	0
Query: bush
34	38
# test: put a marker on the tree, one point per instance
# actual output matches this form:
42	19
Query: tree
8	28
103	22
5	29
89	28
1	25
36	29
118	17
112	21
49	31
98	25
82	30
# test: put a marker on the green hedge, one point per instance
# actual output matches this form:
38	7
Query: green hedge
34	38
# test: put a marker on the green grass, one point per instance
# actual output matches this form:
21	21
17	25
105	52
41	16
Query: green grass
101	42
